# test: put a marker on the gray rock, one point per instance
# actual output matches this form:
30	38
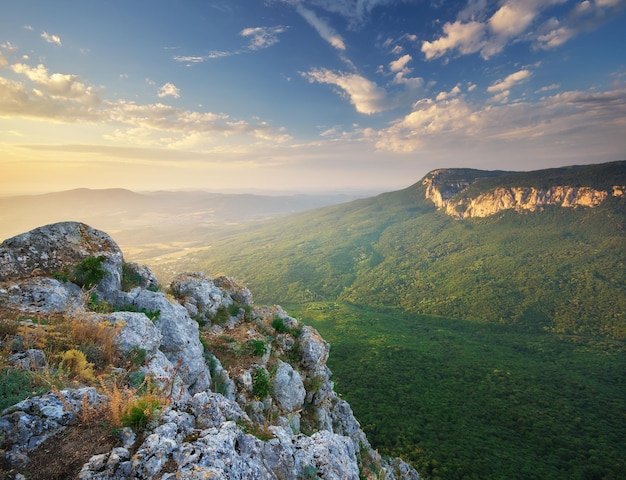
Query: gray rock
137	330
45	295
29	423
181	341
30	359
200	296
289	391
211	410
314	349
50	248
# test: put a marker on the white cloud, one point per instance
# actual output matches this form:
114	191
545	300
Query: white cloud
262	37
513	18
509	81
8	47
547	88
480	29
451	94
62	98
57	84
51	38
583	17
593	117
464	37
365	95
3	61
323	29
169	90
399	65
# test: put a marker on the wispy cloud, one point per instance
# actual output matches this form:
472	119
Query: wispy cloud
51	38
356	12
259	38
510	80
262	37
323	29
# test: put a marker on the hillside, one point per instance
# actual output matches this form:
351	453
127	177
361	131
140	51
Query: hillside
556	266
107	376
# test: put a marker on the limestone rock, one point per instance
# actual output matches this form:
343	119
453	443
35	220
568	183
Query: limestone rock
289	391
46	250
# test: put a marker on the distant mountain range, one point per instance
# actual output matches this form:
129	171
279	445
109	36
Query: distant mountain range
544	248
139	221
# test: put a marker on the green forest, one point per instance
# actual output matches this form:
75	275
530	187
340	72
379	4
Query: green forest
483	348
462	400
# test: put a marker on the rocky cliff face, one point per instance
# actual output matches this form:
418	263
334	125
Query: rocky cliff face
448	196
236	391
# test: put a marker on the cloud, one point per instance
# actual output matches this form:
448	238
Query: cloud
399	65
510	81
262	37
169	90
365	95
57	84
583	17
51	38
465	37
63	98
479	28
323	29
547	88
356	12
593	117
3	61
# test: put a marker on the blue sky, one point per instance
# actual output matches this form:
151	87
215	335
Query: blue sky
303	95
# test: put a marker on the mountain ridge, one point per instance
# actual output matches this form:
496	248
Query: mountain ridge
466	193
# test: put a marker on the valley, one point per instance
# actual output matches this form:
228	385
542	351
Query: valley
474	346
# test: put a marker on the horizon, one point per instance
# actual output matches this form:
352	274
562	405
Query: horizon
304	95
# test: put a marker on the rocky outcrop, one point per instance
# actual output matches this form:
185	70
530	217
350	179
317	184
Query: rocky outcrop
246	391
449	196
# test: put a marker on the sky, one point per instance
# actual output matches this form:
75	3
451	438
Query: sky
303	95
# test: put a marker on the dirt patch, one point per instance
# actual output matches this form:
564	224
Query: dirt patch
235	347
63	455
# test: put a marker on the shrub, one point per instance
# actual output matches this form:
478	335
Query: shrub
99	306
139	412
131	278
17	385
260	383
278	324
221	316
74	364
136	356
89	272
257	347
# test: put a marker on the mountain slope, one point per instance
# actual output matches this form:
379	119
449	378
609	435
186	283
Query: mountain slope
554	267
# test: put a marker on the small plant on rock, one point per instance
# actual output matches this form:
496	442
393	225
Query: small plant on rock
261	383
257	347
89	272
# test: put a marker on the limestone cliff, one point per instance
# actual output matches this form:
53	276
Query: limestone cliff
235	391
450	193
